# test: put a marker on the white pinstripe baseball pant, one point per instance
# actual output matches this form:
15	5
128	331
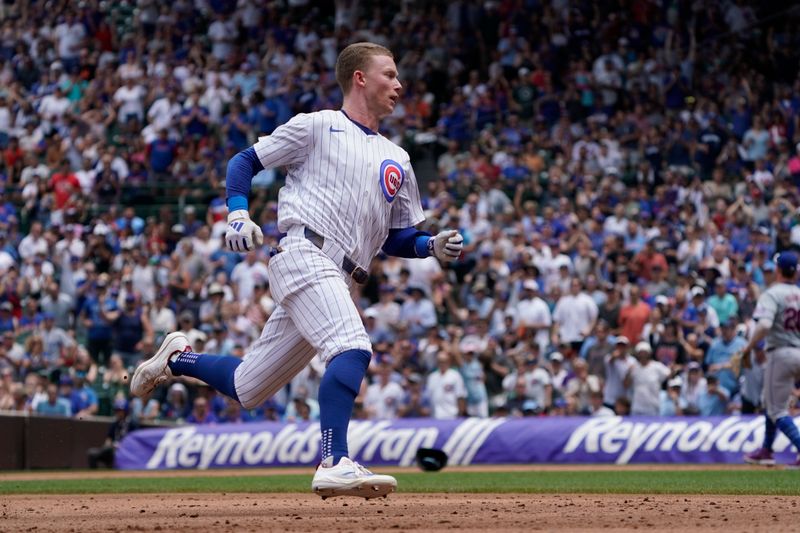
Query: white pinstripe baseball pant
315	313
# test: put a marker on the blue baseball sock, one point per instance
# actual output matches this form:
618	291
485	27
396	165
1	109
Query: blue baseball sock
216	370
337	395
787	425
769	433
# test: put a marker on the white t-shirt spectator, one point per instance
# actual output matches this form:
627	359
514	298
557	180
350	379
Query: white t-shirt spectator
645	387
163	113
420	315
535	311
221	33
53	107
382	401
130	100
29	246
443	391
246	275
163	319
69	38
388	314
616	370
574	315
535	382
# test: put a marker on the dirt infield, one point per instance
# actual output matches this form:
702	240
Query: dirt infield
406	512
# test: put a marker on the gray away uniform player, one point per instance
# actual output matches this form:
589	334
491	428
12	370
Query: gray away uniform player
349	193
777	318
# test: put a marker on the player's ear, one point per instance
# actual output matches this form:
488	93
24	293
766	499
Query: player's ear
359	78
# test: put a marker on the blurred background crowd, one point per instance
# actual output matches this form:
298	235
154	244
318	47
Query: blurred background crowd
623	172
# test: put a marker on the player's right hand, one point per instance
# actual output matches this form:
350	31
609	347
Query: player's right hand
243	234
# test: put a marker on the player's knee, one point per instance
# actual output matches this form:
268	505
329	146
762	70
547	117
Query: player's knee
249	403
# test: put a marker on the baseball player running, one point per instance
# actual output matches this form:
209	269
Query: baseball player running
349	193
777	318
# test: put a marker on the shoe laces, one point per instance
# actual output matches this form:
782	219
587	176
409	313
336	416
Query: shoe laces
360	469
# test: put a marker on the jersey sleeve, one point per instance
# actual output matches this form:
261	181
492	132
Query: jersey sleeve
407	207
766	308
288	144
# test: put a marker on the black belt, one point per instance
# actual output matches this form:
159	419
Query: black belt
358	274
771	348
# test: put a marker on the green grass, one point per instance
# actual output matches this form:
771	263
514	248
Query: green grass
757	482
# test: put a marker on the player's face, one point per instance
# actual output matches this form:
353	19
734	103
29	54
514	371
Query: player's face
382	86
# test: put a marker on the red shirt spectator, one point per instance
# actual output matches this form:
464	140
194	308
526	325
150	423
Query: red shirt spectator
634	316
64	184
646	259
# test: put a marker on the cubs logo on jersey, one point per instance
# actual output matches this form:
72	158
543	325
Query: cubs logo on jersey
391	177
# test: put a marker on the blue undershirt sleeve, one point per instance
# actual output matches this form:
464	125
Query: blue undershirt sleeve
407	242
241	169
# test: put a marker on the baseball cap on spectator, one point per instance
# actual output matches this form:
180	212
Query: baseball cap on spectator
693	365
65	380
414	378
371	313
130	298
662	300
643	346
215	289
120	404
186	316
556	357
697	291
622	339
677	381
7	306
768	266
416	287
386	287
530	285
48	316
530	406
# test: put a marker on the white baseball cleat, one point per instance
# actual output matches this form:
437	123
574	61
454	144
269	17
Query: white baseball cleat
349	478
155	371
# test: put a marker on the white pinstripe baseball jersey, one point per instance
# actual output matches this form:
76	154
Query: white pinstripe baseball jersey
351	186
343	182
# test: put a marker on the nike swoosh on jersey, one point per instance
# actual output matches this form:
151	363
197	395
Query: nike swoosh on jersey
334	130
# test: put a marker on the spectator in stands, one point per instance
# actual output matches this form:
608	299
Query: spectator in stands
672	401
384	397
54	405
645	379
580	387
719	355
445	390
634	315
200	413
122	425
414	404
714	401
574	316
176	405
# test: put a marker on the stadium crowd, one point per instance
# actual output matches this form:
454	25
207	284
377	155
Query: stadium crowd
623	173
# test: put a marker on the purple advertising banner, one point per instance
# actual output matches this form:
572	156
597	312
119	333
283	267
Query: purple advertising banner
615	440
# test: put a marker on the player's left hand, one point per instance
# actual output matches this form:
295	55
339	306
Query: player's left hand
447	245
243	234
